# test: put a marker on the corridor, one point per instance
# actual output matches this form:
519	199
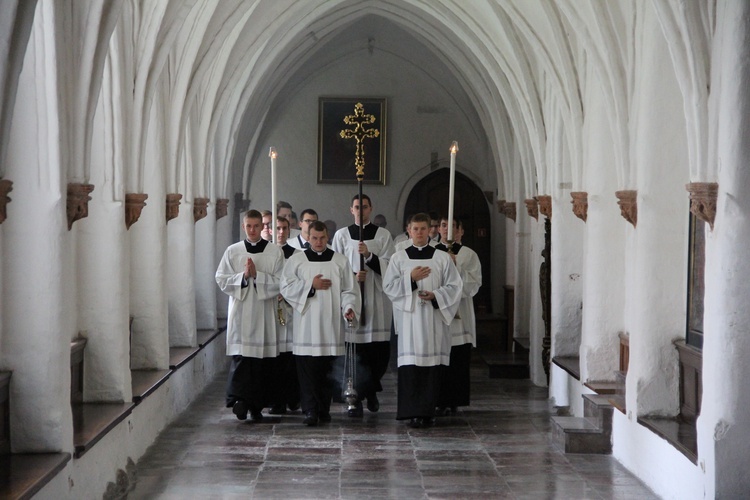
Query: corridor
499	447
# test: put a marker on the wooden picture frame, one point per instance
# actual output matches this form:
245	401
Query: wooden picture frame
336	155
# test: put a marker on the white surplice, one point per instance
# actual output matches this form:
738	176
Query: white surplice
378	312
424	337
319	319
251	322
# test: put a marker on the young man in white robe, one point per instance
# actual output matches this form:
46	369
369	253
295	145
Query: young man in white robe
425	288
373	334
249	273
455	391
319	284
301	241
286	384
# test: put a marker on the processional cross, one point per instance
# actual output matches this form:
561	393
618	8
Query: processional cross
359	119
359	133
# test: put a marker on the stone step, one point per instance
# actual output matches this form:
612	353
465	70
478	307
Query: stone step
598	409
580	435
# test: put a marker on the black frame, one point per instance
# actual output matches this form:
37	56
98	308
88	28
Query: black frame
336	155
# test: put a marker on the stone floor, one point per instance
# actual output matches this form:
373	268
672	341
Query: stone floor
500	447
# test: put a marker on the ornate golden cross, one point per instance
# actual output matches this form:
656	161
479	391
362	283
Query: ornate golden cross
359	119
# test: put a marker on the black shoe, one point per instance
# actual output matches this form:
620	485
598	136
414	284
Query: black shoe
357	412
442	411
240	409
324	418
256	416
416	423
311	418
294	406
279	409
373	404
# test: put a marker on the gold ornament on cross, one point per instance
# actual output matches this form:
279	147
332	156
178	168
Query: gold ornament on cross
359	119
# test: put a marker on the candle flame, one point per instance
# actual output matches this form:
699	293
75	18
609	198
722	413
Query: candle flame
454	147
272	153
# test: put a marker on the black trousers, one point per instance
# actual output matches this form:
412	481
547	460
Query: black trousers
249	380
418	390
285	384
455	390
374	358
315	384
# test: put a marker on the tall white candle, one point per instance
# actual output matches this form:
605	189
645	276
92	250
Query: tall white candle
451	189
272	154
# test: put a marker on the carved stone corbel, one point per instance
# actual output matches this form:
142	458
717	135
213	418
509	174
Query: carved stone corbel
532	207
580	204
510	210
77	203
200	208
545	206
628	205
6	187
703	197
134	203
222	207
500	206
173	205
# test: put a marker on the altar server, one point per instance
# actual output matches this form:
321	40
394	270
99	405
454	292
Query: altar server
286	384
319	284
302	240
425	288
372	336
455	391
248	273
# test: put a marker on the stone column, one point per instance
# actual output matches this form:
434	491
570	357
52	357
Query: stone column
657	284
225	224
103	265
38	310
181	277
206	263
567	271
603	287
148	263
724	423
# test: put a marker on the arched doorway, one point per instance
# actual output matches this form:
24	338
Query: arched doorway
470	206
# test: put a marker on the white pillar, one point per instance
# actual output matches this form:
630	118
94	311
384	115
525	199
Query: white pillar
567	268
38	319
604	246
103	264
206	263
181	278
533	299
224	232
148	262
724	423
657	293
